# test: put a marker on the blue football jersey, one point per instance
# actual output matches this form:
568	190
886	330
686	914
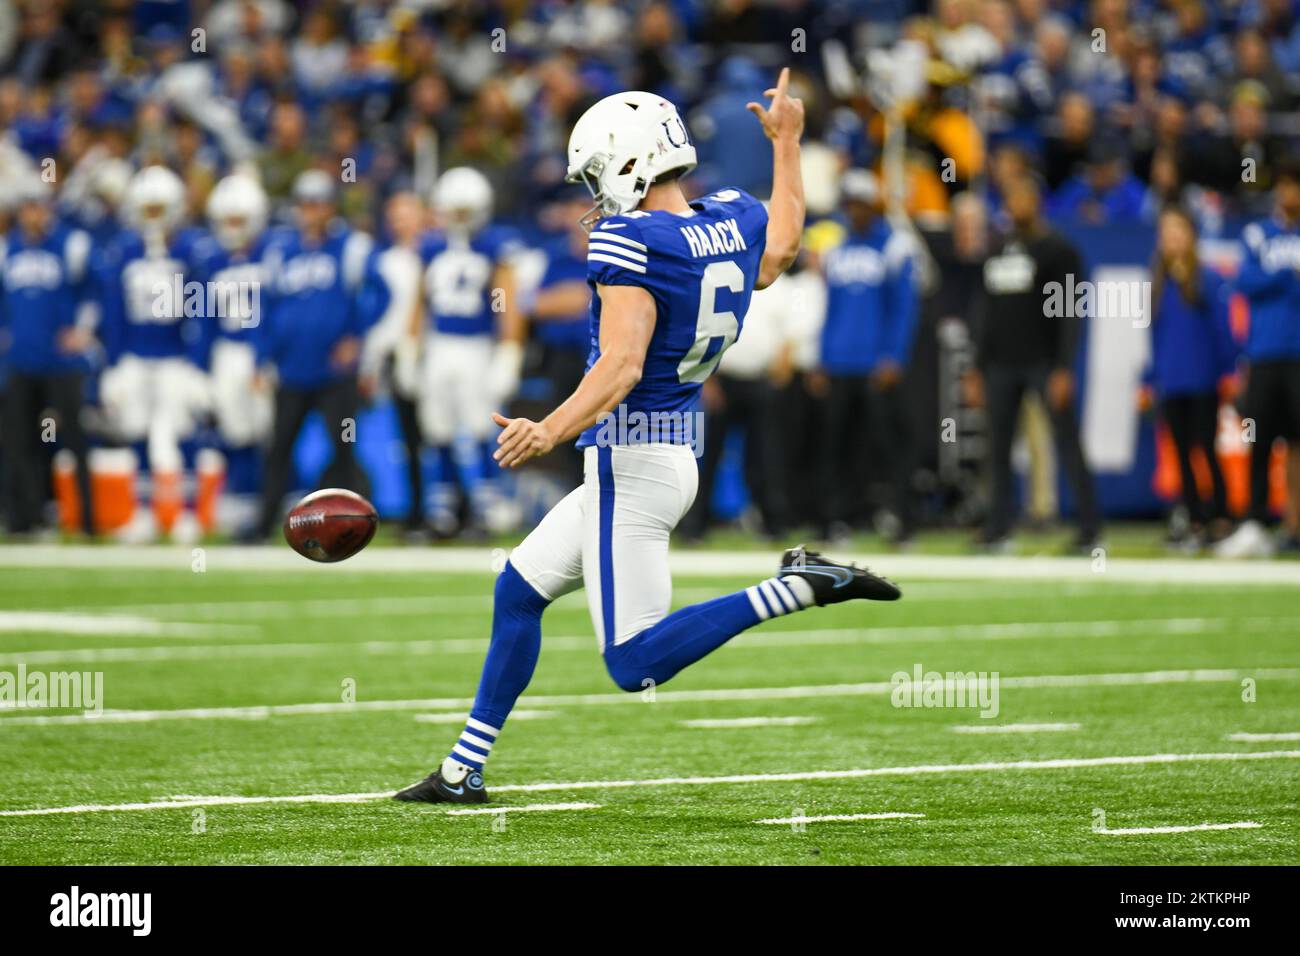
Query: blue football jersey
234	282
458	278
143	300
701	271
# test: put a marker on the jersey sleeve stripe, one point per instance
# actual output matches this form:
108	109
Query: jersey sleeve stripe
621	240
616	250
625	263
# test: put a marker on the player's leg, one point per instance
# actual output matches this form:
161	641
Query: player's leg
482	478
66	395
546	565
291	408
338	407
1004	391
438	418
634	497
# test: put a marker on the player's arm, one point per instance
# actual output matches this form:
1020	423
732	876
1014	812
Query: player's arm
512	328
627	320
783	124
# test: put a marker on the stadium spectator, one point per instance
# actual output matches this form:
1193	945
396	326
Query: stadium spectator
1020	347
1104	193
1191	349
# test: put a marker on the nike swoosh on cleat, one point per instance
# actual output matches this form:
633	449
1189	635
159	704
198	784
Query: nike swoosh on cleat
456	790
842	576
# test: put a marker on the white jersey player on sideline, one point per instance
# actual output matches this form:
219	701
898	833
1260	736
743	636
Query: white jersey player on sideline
474	355
153	389
672	282
237	213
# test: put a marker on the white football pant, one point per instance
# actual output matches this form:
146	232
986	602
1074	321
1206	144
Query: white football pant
611	536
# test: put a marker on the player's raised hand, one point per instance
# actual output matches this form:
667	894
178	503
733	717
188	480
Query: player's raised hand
783	118
520	440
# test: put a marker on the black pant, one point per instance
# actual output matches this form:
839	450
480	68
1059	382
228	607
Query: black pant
336	402
26	397
1193	422
748	406
1005	387
408	422
1272	401
868	439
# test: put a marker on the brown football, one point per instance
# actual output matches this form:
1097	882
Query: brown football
330	524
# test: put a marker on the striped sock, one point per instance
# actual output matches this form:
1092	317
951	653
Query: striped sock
776	597
471	750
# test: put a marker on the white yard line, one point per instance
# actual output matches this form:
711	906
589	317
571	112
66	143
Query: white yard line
724	723
841	818
1067	763
110	625
324	708
1017	630
529	808
703	563
1135	831
1264	738
459	716
1013	728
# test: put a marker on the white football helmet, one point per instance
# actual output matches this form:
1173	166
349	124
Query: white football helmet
155	200
237	209
621	145
463	199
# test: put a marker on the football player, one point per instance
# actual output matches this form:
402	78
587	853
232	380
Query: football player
237	214
474	355
672	281
153	389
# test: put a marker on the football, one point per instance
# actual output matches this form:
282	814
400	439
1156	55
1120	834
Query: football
330	525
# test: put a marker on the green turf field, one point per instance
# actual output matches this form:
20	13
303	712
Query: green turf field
202	673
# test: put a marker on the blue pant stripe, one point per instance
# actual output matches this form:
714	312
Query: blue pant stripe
605	475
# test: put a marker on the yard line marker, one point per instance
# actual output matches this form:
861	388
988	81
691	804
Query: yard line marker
872	688
458	717
842	818
1012	728
583	643
723	723
1133	831
731	564
1068	763
1253	738
529	808
109	625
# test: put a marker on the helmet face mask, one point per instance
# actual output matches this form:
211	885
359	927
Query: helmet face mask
590	175
155	200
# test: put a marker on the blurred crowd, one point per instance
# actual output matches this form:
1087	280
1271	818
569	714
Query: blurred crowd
386	177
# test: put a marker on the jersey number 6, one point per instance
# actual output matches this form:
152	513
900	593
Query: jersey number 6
699	363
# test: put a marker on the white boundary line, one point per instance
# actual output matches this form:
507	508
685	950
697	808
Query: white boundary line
842	818
1022	630
685	562
1066	763
542	701
1264	738
1136	831
728	723
1013	728
528	808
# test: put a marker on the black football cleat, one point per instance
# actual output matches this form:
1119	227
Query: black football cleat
832	582
434	789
